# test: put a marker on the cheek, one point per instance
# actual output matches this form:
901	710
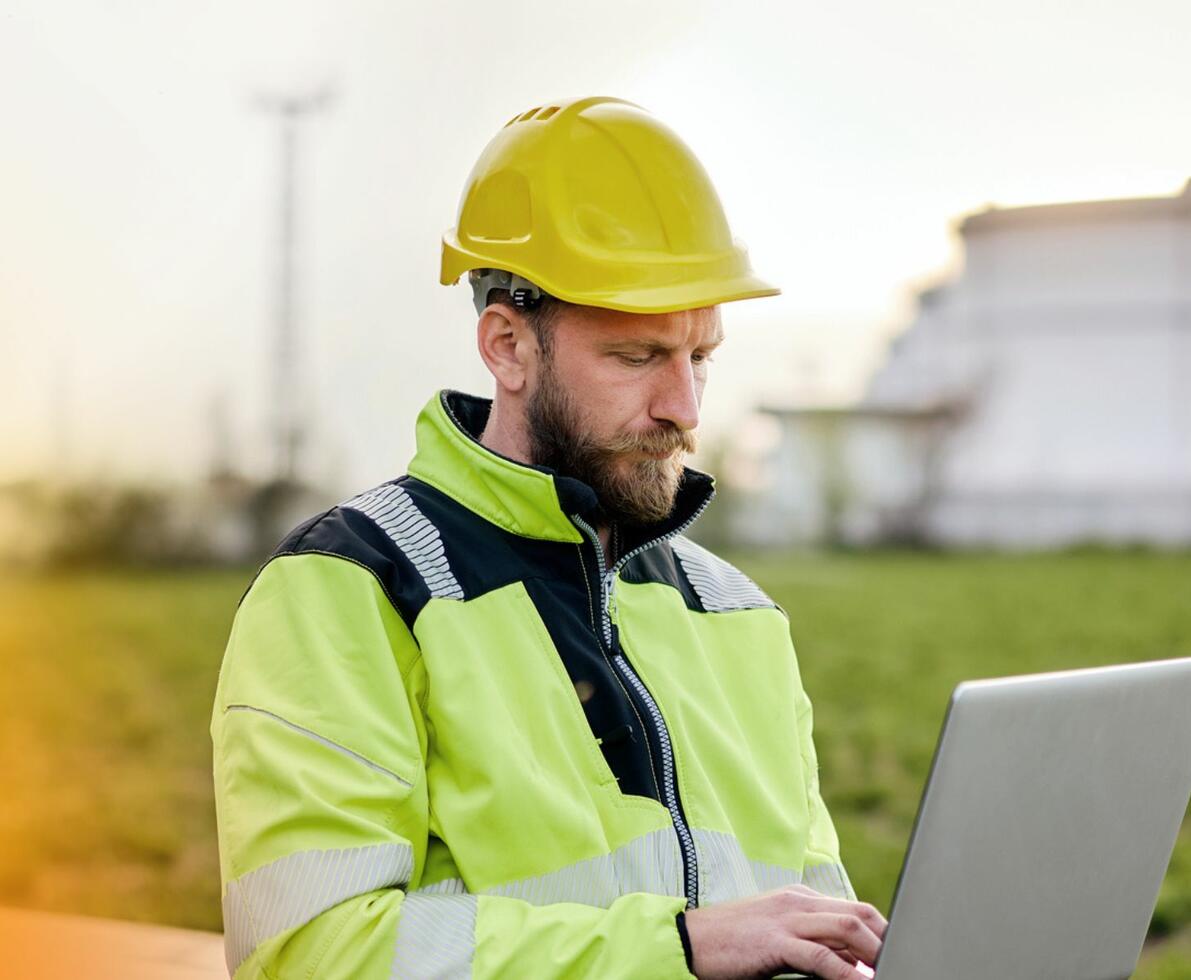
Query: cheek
612	399
601	416
614	407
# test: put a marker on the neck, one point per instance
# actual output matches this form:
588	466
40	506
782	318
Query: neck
506	432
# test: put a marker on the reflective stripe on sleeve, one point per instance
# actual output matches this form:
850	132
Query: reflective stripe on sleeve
292	890
322	740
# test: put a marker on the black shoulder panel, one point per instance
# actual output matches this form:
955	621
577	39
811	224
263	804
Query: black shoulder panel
658	564
344	532
419	543
706	582
481	555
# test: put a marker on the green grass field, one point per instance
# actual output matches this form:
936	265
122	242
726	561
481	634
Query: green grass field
109	677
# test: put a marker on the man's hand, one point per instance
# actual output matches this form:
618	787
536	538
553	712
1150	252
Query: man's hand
793	928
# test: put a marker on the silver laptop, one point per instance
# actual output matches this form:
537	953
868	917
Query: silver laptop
1046	827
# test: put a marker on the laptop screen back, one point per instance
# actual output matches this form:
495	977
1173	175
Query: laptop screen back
1046	826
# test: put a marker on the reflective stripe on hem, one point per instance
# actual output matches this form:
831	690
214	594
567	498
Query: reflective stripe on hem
830	879
292	890
652	863
436	937
728	874
649	863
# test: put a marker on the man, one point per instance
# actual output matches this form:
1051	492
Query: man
501	717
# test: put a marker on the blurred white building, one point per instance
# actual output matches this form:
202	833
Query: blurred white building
1040	398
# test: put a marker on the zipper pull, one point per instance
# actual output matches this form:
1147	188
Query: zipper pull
616	651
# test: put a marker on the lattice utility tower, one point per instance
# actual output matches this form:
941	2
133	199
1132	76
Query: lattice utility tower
289	421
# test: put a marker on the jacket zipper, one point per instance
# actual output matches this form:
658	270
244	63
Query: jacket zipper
669	785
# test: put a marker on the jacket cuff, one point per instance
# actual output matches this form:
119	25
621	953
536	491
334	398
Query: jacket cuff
680	921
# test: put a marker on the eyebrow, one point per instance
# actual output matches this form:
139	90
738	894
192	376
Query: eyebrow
655	346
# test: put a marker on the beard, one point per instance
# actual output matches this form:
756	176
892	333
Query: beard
641	492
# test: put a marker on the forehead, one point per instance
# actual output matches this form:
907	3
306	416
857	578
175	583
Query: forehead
591	326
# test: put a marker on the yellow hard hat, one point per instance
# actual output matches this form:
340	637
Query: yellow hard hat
596	202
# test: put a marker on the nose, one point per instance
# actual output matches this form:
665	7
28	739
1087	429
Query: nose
676	399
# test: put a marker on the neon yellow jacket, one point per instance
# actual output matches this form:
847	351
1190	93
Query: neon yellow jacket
449	741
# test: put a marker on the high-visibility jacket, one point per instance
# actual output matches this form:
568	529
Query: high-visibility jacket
453	738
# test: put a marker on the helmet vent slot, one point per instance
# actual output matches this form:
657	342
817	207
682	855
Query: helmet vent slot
529	115
548	112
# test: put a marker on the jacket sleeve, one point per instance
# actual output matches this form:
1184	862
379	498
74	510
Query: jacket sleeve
823	870
323	815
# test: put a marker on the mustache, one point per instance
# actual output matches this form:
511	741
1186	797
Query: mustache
671	440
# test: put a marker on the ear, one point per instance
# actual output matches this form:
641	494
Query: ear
507	345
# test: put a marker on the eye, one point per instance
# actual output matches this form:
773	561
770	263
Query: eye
635	360
702	357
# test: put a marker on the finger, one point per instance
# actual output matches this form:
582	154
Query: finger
813	958
867	914
841	931
865	970
840	950
846	956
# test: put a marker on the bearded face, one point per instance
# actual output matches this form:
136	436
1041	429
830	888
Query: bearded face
634	474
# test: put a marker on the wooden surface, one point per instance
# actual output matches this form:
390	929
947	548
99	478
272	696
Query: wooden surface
41	946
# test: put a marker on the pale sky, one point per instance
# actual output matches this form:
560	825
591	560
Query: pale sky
138	188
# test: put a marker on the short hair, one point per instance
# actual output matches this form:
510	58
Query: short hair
541	317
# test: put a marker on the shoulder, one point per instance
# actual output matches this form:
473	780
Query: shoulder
707	582
388	530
